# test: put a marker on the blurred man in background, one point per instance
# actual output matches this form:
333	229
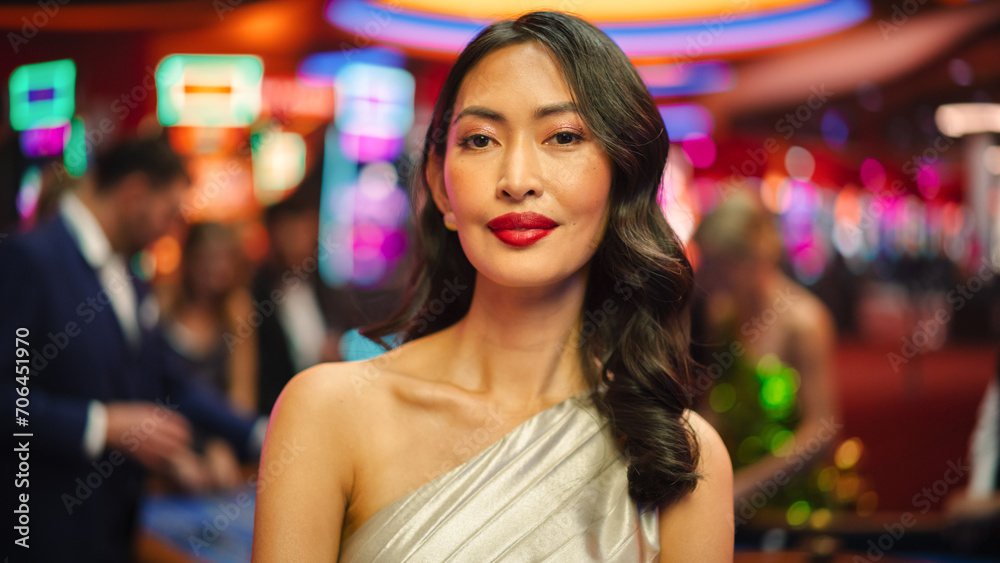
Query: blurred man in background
302	318
104	402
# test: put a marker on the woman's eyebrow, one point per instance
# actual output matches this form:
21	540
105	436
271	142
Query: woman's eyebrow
540	112
480	111
552	109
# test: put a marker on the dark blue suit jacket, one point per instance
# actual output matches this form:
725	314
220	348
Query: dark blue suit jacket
81	509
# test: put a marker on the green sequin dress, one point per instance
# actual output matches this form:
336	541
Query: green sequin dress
756	410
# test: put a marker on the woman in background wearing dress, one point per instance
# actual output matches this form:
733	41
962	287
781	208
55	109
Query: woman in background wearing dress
206	305
773	399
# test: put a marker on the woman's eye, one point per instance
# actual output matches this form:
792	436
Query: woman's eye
565	137
477	141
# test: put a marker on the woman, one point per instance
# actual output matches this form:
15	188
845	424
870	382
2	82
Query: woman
206	306
771	342
199	313
538	407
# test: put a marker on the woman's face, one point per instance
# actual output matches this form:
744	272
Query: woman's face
214	268
517	145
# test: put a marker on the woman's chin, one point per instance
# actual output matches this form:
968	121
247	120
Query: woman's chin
524	275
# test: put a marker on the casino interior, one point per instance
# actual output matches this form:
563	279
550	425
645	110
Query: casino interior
866	130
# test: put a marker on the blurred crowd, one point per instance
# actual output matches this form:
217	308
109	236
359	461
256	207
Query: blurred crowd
172	379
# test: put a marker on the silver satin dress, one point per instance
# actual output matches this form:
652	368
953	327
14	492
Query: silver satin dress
552	489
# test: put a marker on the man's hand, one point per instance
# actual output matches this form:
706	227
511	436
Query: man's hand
222	465
147	432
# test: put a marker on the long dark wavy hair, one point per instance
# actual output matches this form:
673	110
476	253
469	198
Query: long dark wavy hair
640	351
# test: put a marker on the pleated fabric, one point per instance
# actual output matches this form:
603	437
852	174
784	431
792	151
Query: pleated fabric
553	489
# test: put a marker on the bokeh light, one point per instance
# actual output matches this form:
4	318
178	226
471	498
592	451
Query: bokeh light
798	513
42	94
848	453
834	128
166	252
873	175
800	164
699	149
29	191
209	90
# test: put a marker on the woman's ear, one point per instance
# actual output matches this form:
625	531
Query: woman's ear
434	175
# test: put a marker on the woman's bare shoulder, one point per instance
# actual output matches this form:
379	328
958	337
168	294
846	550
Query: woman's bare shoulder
338	389
317	410
352	396
699	526
349	390
712	454
313	447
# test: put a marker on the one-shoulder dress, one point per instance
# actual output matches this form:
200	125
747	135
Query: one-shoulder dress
553	489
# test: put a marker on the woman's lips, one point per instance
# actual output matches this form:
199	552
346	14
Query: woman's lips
521	237
521	229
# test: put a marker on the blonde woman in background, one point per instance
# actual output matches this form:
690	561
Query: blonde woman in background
773	342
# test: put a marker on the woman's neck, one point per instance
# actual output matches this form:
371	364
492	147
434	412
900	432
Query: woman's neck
519	345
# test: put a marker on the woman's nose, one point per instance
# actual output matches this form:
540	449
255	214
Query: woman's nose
521	173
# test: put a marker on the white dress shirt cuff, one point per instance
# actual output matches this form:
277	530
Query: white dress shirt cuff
983	451
95	433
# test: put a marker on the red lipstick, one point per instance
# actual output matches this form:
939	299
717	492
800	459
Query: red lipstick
521	229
